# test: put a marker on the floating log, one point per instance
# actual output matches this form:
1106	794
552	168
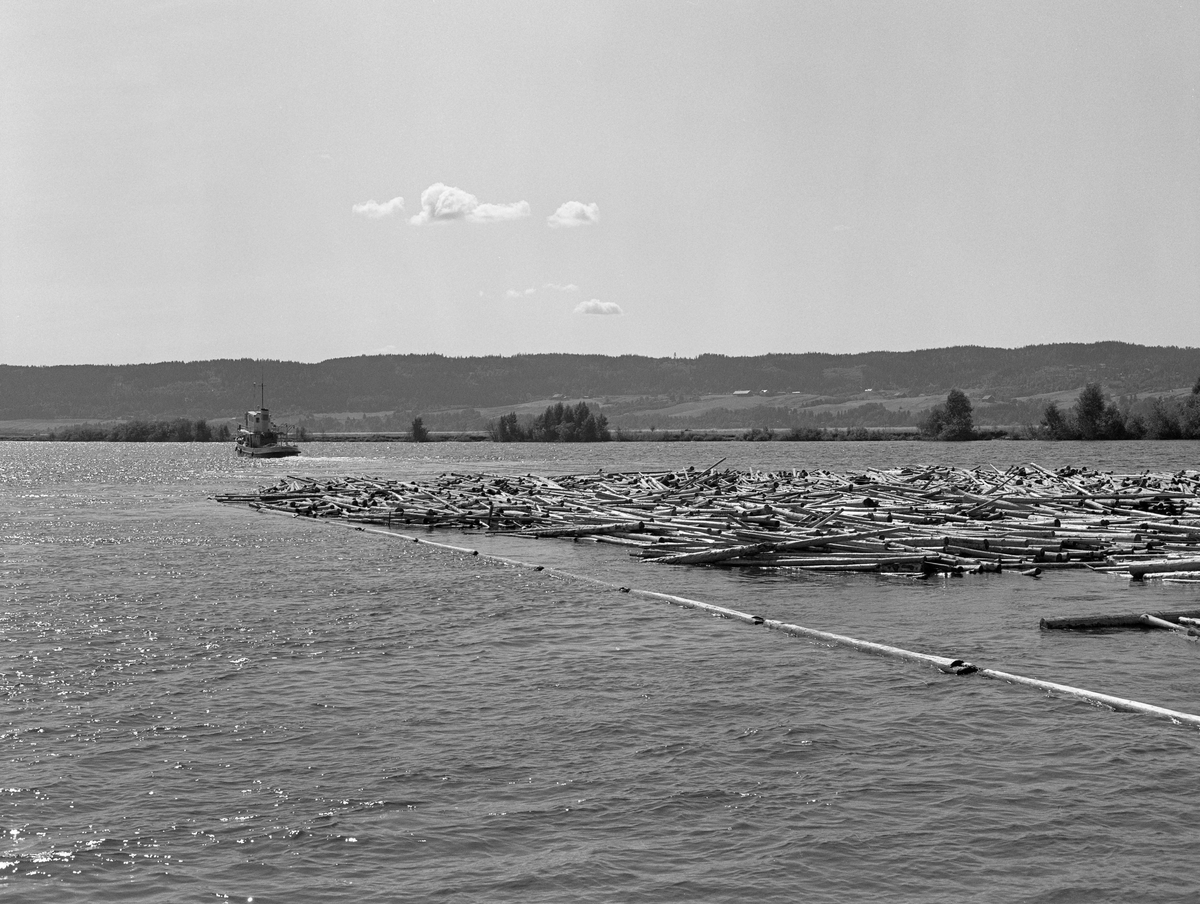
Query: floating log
1139	570
1153	621
711	556
1100	622
584	530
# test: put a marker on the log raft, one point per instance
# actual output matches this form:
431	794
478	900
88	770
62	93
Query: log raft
915	521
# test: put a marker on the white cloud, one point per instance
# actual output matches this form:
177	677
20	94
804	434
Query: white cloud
445	202
596	306
574	213
375	210
515	293
569	287
495	213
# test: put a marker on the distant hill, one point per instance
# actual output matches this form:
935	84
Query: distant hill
416	383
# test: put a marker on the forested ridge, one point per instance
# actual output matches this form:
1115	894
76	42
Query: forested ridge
222	388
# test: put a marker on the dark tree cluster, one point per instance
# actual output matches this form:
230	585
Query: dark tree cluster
952	420
850	435
180	430
559	423
1173	419
1094	416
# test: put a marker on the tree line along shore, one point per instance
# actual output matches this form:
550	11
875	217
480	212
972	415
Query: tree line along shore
1093	416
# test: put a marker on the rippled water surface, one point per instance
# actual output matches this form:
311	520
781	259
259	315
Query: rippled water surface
205	703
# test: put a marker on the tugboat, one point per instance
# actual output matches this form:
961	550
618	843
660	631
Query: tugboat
259	438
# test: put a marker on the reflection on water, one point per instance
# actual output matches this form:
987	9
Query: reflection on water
205	702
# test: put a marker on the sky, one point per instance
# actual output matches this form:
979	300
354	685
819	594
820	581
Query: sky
303	180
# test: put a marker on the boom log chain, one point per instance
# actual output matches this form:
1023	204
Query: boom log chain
917	521
943	664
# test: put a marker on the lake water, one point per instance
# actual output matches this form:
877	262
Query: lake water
205	703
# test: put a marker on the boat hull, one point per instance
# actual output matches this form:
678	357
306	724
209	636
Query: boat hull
268	451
